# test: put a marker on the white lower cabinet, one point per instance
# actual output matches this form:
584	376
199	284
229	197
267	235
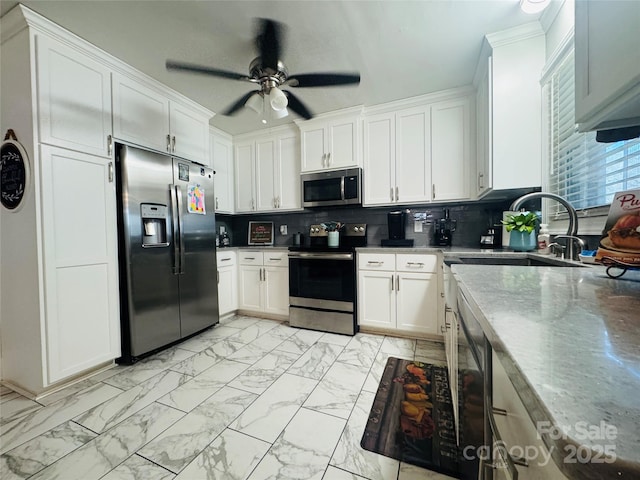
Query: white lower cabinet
518	432
263	282
399	292
227	281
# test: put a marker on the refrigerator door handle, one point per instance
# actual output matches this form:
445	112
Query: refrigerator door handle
175	213
180	229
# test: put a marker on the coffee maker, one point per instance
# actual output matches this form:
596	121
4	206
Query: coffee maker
443	229
397	225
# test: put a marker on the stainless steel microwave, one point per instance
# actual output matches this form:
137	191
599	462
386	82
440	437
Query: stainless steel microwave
337	187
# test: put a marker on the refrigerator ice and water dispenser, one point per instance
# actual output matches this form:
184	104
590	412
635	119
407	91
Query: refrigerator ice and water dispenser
154	225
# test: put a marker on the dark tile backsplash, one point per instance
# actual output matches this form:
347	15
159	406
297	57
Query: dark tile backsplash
472	220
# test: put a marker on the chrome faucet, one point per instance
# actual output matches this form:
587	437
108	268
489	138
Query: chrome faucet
572	231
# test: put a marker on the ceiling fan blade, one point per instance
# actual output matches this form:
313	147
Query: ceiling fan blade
192	67
297	106
240	103
323	79
269	43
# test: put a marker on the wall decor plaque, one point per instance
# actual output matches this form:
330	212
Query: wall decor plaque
260	233
14	172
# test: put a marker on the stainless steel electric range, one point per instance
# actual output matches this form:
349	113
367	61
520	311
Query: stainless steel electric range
322	280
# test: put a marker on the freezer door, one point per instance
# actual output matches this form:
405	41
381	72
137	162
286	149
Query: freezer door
151	318
198	271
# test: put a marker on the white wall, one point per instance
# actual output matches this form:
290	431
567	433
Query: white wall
557	22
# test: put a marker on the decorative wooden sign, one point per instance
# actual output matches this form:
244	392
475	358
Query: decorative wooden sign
260	233
14	172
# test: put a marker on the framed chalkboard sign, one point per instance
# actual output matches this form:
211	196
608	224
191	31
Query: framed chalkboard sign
14	172
260	233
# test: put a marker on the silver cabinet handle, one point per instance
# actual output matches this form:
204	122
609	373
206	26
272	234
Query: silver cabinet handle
253	204
225	259
249	258
372	262
274	259
265	274
392	194
480	182
329	159
392	283
173	144
342	187
397	194
109	145
110	172
217	206
397	283
415	264
168	143
433	191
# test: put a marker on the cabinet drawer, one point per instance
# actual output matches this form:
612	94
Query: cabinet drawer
225	259
277	259
249	257
376	261
416	263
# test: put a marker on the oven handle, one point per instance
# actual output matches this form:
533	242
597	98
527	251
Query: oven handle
321	256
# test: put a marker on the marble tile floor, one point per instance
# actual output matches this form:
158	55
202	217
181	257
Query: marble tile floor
247	399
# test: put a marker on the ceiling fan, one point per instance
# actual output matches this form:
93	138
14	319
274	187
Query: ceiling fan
270	74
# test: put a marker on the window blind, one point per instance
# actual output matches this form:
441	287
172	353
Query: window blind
583	171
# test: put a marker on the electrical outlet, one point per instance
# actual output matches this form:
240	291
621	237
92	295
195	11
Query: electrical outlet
417	226
283	229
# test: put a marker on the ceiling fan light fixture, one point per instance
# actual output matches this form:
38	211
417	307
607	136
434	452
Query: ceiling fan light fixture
533	6
278	99
278	114
255	103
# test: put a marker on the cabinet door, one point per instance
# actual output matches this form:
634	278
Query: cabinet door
221	154
484	129
140	114
74	98
342	151
189	132
607	80
313	143
80	262
450	149
413	155
376	299
249	286
417	307
265	173
227	290
379	159
288	189
244	179
276	290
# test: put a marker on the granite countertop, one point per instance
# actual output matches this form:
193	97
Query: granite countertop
569	339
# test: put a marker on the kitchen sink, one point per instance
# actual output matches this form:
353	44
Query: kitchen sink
516	260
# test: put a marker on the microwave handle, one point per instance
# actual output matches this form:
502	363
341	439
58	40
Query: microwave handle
342	187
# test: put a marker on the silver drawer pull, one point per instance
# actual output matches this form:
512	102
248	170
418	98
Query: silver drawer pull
225	259
416	264
249	258
275	259
371	262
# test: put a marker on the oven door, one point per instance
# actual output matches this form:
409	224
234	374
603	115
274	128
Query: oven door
322	280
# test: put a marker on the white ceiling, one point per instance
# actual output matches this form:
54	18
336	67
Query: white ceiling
401	48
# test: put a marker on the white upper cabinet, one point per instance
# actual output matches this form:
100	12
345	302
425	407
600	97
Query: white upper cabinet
419	154
331	141
509	114
607	35
451	144
144	115
74	98
267	171
221	154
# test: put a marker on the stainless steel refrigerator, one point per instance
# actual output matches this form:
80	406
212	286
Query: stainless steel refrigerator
168	273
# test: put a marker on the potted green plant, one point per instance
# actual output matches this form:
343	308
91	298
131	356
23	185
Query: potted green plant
522	228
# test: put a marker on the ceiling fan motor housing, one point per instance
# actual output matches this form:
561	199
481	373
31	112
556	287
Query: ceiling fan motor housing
266	76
